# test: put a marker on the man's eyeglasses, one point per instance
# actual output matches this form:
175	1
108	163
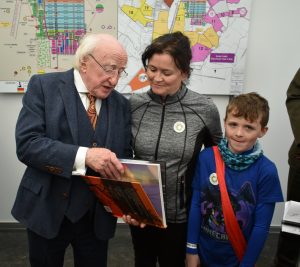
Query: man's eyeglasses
111	70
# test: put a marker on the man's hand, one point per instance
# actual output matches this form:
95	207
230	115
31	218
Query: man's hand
129	220
105	162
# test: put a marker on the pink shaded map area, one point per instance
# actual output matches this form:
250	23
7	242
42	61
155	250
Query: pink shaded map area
200	52
242	12
212	2
212	18
233	1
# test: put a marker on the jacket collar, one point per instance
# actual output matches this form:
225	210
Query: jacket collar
170	98
69	95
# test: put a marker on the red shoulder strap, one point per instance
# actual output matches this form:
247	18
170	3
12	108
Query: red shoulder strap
233	229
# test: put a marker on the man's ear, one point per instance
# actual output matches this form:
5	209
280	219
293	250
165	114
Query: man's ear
263	131
83	65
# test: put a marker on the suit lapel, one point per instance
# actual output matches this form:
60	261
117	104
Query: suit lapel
111	118
69	95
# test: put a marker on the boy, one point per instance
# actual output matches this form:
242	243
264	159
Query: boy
252	183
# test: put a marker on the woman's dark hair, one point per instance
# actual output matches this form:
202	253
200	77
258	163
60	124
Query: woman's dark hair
177	45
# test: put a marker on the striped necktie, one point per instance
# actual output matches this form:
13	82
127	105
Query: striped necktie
91	111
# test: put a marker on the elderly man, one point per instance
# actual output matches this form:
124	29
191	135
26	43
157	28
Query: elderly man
72	123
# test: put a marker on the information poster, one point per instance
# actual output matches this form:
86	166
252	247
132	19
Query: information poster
39	36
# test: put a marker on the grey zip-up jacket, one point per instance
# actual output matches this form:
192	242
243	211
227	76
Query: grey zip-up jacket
173	131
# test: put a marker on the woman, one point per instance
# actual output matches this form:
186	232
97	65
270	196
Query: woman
170	123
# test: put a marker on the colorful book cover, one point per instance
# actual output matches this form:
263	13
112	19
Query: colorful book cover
138	194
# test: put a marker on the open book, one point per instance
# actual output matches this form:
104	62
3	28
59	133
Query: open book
138	194
291	217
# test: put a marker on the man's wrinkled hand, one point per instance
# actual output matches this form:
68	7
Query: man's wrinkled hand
105	162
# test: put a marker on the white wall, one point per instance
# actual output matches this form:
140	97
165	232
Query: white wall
273	58
11	169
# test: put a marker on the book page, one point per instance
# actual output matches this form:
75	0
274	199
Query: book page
292	212
291	218
148	174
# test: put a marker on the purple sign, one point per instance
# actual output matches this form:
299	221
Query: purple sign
222	57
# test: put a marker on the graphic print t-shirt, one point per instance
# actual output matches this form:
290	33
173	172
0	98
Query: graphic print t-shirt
257	184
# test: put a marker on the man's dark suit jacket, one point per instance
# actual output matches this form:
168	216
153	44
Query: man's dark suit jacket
47	133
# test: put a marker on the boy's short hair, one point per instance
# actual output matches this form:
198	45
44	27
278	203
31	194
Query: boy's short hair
249	106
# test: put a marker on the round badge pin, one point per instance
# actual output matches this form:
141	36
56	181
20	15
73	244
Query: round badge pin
213	179
179	127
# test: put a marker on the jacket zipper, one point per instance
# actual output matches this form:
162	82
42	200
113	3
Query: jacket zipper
164	182
160	129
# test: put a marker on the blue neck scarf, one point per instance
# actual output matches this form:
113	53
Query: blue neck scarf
239	162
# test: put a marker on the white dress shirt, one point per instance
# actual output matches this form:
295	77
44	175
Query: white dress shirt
79	167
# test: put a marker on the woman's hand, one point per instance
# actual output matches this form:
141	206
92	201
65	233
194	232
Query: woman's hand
129	220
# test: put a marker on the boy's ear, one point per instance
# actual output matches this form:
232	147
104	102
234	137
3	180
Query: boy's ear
263	131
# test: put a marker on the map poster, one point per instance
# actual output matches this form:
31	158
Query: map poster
39	36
